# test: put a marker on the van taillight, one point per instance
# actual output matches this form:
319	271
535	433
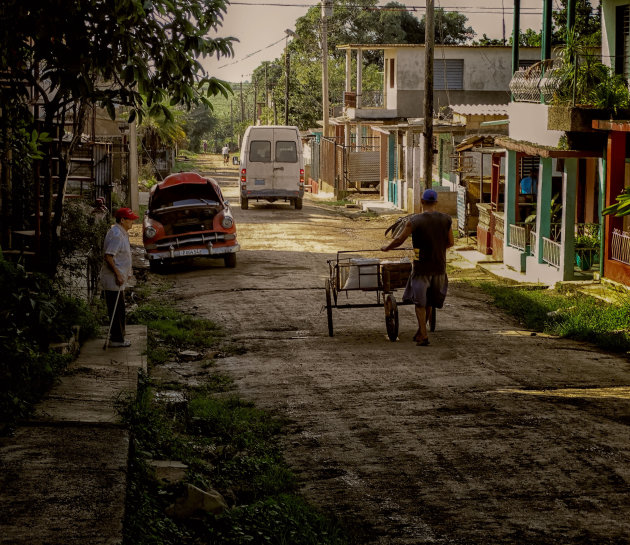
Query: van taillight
301	176
243	176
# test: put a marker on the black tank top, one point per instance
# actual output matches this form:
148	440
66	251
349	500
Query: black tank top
430	241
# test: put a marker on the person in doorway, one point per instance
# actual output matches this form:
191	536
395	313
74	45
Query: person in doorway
226	154
431	234
117	272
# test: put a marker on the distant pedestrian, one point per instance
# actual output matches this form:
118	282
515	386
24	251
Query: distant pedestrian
226	154
117	272
205	146
431	235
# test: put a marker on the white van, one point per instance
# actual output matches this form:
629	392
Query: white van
272	166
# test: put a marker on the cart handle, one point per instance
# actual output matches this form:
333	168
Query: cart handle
377	250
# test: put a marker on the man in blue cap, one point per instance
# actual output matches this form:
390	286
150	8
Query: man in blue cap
431	235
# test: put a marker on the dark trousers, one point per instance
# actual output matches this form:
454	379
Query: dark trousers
118	319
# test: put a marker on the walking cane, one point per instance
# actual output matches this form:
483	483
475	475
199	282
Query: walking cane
112	321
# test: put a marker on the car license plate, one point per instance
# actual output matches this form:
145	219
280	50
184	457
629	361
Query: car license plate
259	182
193	251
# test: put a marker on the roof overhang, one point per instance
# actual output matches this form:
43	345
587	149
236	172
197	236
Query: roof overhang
542	151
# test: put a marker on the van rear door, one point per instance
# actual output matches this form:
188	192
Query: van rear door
286	168
261	153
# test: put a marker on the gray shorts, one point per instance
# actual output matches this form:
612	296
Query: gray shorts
426	291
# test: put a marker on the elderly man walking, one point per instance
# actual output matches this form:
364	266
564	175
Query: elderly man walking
116	273
431	235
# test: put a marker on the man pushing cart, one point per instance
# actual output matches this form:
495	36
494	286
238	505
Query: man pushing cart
431	235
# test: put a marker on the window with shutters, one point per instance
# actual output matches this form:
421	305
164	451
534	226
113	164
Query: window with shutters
392	73
448	74
626	41
622	41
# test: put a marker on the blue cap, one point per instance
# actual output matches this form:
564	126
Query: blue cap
429	196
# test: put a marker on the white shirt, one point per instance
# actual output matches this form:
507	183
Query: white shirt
226	150
117	245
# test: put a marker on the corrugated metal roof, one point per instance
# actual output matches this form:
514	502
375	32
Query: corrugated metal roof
480	109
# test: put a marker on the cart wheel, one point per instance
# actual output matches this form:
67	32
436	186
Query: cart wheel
391	317
432	321
329	309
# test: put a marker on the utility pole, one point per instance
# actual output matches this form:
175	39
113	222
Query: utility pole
266	94
242	105
288	67
255	99
326	12
429	41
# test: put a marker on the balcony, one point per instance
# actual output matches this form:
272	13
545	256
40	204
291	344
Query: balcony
372	106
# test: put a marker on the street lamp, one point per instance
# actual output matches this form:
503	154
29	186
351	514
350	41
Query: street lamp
288	32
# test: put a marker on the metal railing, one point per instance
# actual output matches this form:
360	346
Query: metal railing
372	99
519	237
620	246
551	252
369	99
535	82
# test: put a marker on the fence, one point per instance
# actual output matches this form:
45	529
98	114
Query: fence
621	246
551	252
519	237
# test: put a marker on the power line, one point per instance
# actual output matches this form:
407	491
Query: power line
251	54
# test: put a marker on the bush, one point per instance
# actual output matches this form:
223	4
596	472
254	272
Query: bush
34	314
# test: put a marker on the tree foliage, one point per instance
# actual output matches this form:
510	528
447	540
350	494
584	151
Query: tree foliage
587	21
108	53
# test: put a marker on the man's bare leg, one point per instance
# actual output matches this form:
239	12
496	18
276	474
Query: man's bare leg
421	315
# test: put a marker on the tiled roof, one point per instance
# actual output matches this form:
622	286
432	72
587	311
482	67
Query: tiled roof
480	109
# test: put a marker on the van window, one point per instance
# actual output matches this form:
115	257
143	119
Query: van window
260	151
286	152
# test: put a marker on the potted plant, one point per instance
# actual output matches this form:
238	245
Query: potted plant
586	248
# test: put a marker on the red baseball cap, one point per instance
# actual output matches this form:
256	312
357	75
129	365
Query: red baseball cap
126	214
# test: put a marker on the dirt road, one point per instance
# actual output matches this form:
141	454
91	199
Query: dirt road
490	435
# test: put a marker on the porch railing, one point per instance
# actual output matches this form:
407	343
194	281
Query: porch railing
621	246
519	237
533	242
551	252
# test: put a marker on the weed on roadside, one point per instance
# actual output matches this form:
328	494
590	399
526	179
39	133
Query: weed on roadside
572	315
227	444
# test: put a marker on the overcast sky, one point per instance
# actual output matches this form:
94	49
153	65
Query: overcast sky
260	26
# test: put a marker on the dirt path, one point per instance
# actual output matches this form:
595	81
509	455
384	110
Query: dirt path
491	435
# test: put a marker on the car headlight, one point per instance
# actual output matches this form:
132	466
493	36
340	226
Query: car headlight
150	231
227	222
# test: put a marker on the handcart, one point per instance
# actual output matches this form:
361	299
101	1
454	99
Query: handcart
354	270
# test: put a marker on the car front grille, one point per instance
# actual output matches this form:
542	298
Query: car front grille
190	240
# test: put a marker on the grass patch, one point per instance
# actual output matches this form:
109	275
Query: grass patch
170	331
571	315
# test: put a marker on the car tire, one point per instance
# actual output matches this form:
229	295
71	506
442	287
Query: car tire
230	260
298	204
244	203
155	266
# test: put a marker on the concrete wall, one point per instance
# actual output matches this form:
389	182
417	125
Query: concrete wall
528	122
486	78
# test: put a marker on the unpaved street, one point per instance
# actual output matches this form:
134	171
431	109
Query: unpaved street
490	435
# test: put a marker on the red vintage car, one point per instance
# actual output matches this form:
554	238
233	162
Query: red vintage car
188	217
